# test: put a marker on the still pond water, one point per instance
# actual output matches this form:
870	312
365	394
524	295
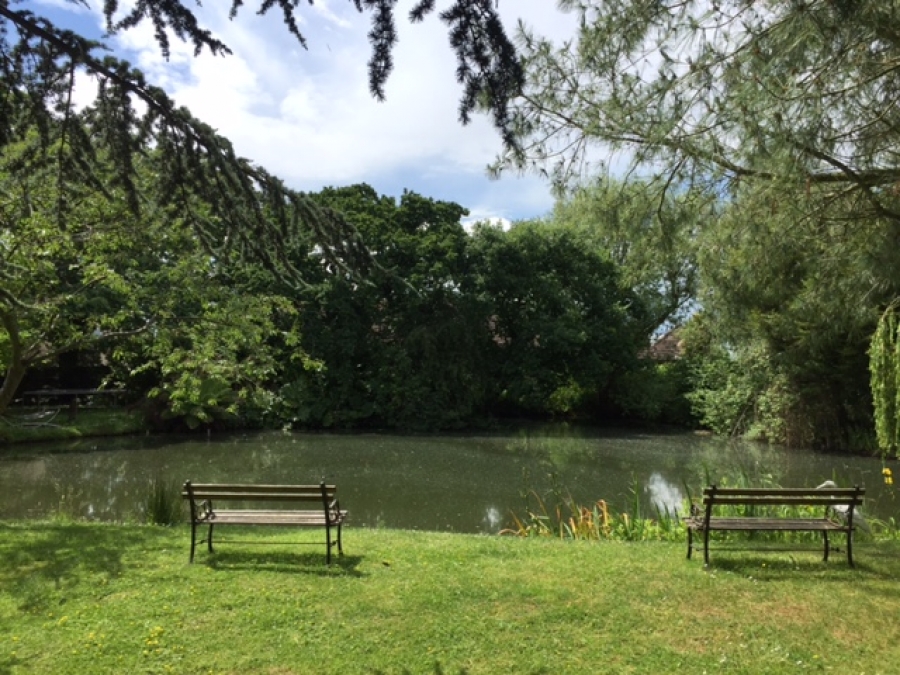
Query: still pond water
452	483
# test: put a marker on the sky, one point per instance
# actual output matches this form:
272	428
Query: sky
308	116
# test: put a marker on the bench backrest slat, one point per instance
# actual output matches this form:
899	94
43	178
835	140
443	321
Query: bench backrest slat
783	492
260	496
252	489
784	496
244	492
788	501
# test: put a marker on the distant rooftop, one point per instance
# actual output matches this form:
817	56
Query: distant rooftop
669	347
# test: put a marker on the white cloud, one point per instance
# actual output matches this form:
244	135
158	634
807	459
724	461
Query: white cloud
494	221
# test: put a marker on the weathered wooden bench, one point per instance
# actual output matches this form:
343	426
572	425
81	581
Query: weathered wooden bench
838	506
320	501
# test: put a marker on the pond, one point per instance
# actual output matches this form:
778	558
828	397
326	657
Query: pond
459	483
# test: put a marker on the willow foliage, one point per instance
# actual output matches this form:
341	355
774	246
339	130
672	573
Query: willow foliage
884	366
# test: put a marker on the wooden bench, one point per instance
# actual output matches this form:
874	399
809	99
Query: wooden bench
72	396
322	509
838	505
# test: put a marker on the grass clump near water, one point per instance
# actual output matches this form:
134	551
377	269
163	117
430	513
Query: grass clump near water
93	598
558	514
163	503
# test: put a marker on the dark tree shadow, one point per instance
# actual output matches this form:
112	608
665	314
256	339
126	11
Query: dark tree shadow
53	551
39	560
778	564
237	558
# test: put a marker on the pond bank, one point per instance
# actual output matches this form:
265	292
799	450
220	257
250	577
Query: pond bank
32	426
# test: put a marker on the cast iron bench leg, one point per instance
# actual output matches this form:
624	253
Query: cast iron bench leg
827	547
328	544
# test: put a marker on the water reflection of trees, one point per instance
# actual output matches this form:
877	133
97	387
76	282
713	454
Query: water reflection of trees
449	482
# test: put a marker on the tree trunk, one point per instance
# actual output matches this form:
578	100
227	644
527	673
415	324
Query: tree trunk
14	375
17	367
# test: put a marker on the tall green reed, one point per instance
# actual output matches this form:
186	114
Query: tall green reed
163	504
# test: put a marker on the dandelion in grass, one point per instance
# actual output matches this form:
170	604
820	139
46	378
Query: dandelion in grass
888	476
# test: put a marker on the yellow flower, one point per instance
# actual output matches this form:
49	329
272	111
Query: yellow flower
886	471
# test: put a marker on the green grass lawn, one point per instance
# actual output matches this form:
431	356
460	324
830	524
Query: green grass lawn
91	598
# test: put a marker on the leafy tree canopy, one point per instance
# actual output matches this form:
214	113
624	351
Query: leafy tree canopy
406	349
564	330
651	241
140	291
791	302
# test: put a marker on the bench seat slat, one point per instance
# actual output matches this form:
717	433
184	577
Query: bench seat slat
230	487
770	524
233	517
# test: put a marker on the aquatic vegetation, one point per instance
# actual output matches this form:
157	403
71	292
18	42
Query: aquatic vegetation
565	518
163	504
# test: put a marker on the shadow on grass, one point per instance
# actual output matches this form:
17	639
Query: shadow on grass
280	561
38	560
872	561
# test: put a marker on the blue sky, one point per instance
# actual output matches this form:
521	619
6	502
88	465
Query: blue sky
308	117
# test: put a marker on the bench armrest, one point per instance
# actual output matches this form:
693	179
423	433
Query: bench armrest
205	511
334	510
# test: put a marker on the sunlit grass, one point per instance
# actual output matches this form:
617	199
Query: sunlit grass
91	598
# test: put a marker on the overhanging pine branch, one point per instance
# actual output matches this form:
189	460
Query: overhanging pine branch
239	187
